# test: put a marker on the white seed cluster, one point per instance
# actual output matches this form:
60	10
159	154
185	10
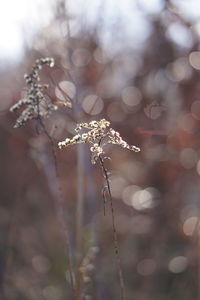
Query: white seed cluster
98	134
36	104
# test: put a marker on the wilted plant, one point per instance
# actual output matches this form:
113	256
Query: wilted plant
39	107
98	134
36	104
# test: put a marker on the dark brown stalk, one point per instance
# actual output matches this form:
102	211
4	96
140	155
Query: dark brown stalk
115	238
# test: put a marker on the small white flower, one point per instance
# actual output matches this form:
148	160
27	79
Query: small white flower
93	124
77	137
84	136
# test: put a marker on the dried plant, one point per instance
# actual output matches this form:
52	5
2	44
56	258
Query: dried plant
37	105
98	134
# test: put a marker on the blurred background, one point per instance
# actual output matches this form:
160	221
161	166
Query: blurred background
135	63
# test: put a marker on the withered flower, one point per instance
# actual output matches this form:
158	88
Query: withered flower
35	102
98	134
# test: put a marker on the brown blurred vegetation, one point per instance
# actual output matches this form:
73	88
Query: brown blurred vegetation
150	94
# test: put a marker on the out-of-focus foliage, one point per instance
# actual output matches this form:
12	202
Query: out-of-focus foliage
145	81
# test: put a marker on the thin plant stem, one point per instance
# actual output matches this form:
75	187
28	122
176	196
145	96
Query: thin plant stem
80	163
115	238
59	207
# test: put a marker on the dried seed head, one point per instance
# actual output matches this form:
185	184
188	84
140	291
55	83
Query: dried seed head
98	134
36	104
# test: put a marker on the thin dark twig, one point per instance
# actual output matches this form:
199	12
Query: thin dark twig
115	238
59	203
